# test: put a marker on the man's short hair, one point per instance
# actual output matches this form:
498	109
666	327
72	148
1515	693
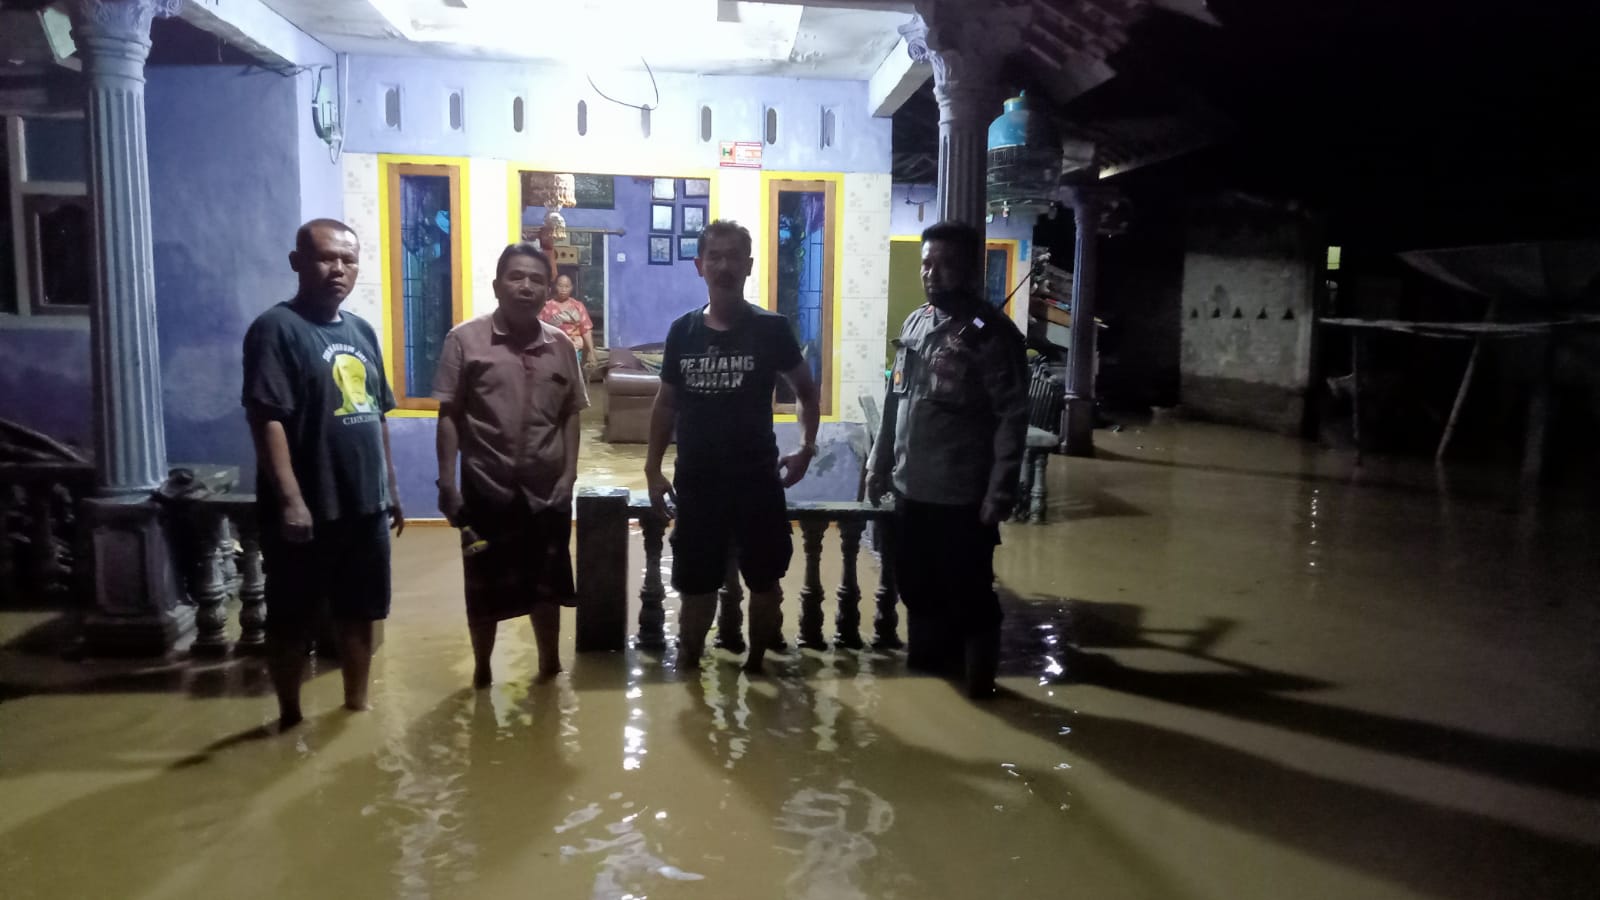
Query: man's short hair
302	236
728	228
966	238
523	248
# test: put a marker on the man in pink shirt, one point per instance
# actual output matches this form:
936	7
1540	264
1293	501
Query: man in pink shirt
509	392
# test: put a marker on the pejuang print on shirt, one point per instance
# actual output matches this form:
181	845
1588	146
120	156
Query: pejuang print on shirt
725	382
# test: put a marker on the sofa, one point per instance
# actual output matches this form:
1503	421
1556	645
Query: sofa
631	381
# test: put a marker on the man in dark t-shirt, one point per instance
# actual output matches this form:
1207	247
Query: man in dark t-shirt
721	365
316	398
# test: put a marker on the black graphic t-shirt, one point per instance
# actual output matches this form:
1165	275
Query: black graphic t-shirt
725	381
325	383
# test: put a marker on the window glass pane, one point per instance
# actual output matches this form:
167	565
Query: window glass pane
426	276
802	245
8	272
60	251
55	149
995	286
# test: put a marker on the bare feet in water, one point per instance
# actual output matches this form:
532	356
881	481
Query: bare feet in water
482	677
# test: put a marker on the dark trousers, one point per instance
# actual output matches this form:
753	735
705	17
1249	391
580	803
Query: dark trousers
944	564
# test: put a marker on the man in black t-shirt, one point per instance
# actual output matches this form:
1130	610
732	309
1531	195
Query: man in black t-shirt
721	365
316	398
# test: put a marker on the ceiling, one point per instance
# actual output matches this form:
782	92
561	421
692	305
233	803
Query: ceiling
714	37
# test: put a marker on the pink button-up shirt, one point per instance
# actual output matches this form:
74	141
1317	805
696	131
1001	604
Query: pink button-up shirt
511	401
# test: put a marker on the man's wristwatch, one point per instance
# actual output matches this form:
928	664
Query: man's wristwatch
808	448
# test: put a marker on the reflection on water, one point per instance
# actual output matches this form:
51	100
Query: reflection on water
1193	710
835	829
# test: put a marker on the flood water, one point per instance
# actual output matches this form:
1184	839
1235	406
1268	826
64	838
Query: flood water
1235	668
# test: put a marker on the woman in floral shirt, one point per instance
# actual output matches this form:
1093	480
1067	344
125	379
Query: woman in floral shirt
568	313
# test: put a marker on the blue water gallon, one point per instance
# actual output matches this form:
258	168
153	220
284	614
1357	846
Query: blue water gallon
1024	157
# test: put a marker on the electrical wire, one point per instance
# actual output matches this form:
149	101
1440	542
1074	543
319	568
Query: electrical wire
1025	279
1034	269
286	71
341	90
653	87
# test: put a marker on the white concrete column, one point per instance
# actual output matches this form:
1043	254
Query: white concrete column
966	49
1089	206
113	38
129	579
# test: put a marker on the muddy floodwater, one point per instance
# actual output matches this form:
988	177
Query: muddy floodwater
1235	667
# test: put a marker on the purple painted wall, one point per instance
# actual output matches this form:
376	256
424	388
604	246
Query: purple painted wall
644	299
44	382
551	95
321	179
416	466
224	146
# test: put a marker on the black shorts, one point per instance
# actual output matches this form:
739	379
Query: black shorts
717	518
344	568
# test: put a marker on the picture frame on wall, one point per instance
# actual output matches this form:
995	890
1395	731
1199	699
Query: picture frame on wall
696	187
694	220
664	189
661	217
660	250
688	247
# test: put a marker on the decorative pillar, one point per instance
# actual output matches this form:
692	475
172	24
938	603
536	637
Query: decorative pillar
128	577
847	615
252	587
1077	433
811	594
602	566
113	38
966	48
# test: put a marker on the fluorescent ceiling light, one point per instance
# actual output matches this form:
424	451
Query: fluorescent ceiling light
601	32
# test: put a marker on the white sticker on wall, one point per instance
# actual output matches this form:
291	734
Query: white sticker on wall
622	257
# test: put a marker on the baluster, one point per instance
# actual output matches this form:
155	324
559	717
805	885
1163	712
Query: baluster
208	588
46	563
886	621
730	610
811	595
8	557
652	617
847	617
228	559
252	590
